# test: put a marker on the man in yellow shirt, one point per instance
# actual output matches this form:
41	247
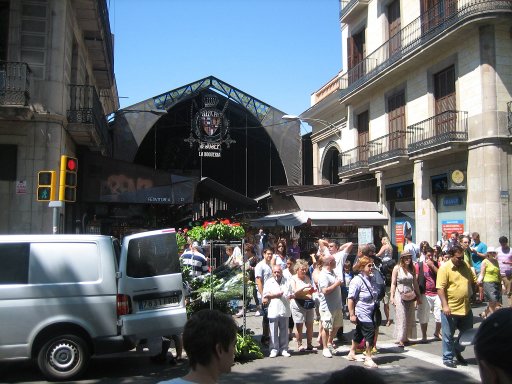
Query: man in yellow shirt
454	281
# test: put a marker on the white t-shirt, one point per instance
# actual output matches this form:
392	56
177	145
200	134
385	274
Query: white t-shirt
264	271
340	258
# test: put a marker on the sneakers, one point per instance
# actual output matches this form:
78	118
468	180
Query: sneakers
327	353
285	354
273	353
240	313
257	313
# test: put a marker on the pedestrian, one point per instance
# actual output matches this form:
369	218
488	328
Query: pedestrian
478	254
277	293
430	302
454	281
331	313
404	295
303	305
362	304
490	279
209	340
262	273
504	257
493	348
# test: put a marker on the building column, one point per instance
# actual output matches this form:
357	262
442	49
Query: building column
424	207
484	211
316	166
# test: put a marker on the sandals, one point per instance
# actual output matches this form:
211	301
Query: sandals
351	357
370	363
300	347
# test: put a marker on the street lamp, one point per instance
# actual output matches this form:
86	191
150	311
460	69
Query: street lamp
306	119
120	112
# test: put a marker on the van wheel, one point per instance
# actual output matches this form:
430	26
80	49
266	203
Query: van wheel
63	357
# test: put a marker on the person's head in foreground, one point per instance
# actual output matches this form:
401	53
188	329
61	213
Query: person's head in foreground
493	348
355	374
209	339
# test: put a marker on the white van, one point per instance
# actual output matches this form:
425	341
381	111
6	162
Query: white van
64	298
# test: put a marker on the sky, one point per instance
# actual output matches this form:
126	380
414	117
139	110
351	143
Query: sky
278	51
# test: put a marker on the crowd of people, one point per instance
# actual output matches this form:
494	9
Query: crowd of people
295	290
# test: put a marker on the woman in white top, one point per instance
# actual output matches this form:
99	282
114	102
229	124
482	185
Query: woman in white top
302	305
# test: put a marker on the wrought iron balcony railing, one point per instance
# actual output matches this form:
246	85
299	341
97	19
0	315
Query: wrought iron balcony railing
449	126
14	83
85	108
417	34
387	147
354	159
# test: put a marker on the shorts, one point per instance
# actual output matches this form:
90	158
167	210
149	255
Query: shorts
366	331
331	320
301	315
429	304
492	291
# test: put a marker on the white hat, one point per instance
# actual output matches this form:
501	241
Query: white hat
492	249
195	244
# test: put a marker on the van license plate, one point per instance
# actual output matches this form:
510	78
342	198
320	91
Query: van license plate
161	302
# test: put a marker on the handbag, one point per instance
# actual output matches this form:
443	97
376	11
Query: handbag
407	296
306	303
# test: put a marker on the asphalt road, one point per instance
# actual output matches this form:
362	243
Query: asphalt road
417	363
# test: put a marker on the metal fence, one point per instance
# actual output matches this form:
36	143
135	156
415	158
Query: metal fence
14	83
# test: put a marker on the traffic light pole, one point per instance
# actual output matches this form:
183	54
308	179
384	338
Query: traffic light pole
56	204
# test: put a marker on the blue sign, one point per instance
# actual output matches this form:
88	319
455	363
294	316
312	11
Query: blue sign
452	200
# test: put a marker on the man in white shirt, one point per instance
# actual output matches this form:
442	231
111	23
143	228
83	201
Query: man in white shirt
412	248
340	254
277	293
263	272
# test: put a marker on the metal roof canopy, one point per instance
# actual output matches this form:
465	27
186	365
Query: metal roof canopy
132	128
321	211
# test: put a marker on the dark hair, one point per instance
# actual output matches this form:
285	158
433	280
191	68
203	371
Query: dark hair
283	243
355	374
492	341
503	239
455	249
203	331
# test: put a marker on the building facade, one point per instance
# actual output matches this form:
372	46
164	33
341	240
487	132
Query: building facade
423	105
57	84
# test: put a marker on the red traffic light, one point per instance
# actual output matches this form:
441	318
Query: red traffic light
71	164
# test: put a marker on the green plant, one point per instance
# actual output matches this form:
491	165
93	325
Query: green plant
246	348
181	241
196	233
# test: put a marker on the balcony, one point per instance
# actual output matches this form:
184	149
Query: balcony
440	132
350	8
86	120
93	21
416	35
387	149
14	84
354	161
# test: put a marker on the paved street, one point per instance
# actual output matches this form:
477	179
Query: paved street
420	363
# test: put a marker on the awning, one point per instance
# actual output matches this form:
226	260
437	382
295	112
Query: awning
213	188
293	219
318	211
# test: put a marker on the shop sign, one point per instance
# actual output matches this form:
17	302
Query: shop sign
210	128
209	149
402	228
365	235
450	226
451	201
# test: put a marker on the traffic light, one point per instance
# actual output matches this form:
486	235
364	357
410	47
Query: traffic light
68	178
46	185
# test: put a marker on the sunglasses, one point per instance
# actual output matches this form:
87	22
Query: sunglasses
370	265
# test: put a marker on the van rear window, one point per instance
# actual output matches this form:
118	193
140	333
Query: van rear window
153	256
14	259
